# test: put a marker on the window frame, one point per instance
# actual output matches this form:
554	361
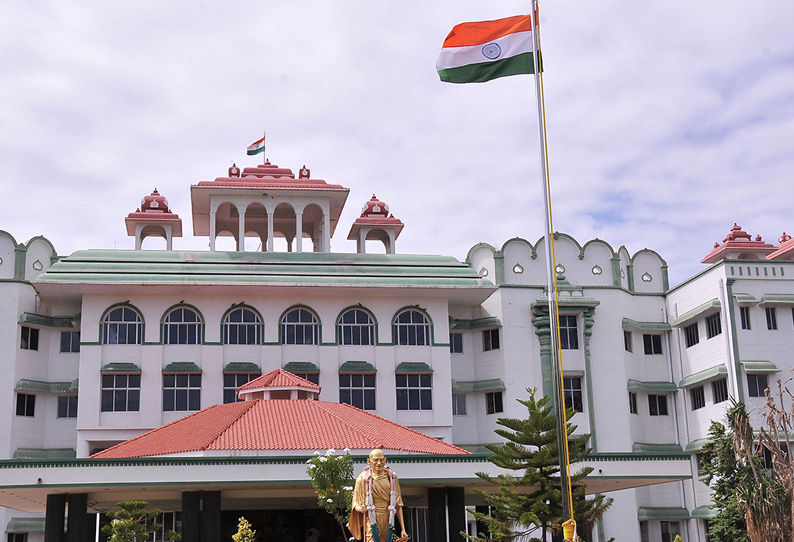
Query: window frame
419	383
771	318
459	404
29	338
569	331
26	405
362	395
411	332
573	394
652	344
72	343
111	328
754	389
455	343
628	346
673	529
114	392
713	325
490	339
656	404
697	397
232	389
719	390
187	387
183	332
744	316
67	406
306	330
494	403
633	403
243	327
691	335
356	333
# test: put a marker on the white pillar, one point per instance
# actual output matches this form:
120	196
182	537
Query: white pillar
241	230
169	236
138	240
212	230
326	231
270	229
392	242
298	232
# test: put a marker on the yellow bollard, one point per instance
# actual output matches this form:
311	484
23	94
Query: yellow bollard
569	530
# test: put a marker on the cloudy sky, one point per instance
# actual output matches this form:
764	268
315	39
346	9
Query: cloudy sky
668	121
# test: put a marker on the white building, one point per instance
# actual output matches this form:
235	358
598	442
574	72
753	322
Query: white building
145	337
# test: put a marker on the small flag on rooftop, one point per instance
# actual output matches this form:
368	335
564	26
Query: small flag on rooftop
481	51
256	147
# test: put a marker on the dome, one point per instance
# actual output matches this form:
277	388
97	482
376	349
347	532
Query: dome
154	203
375	208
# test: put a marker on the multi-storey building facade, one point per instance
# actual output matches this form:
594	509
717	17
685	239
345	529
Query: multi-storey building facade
104	345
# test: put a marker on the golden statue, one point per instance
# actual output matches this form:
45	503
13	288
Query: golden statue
377	500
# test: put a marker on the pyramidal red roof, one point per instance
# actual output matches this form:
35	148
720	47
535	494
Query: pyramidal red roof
278	424
279	378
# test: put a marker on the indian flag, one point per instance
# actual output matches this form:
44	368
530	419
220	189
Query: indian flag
485	50
256	147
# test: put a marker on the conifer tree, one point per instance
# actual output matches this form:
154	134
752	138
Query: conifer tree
532	501
244	532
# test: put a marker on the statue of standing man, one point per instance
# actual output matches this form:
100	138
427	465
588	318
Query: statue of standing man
377	500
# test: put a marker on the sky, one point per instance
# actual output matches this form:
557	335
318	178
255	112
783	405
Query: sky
667	121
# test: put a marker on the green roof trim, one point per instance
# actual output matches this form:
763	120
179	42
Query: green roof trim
64	322
242	367
478	386
777	299
744	299
413	367
646	326
696	445
568	301
120	367
357	367
704	512
44	453
648	448
649	512
182	367
759	366
304	367
658	386
25	525
46	387
477	323
702	376
701	310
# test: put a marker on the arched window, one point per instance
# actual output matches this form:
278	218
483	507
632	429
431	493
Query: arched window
299	326
182	326
356	328
122	325
242	326
411	328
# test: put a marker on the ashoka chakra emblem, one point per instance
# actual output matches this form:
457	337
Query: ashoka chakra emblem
491	51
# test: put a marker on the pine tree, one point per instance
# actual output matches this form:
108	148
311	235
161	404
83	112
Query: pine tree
533	500
244	532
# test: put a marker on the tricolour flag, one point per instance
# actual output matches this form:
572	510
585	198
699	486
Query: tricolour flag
485	50
256	147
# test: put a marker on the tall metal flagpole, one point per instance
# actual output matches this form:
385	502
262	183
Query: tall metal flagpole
551	279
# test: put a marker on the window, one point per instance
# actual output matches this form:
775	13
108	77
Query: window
26	404
356	328
490	339
573	393
122	326
652	343
698	397
411	328
493	402
670	529
627	346
181	392
414	391
756	385
67	406
569	335
691	335
242	326
632	403
713	325
357	389
719	389
182	326
744	314
657	405
29	339
17	537
70	341
121	392
231	383
299	326
643	531
311	377
458	404
771	318
456	343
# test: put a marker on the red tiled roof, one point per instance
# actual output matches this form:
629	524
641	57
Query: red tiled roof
279	378
278	424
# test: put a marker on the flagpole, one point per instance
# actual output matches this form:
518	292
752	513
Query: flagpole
551	279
